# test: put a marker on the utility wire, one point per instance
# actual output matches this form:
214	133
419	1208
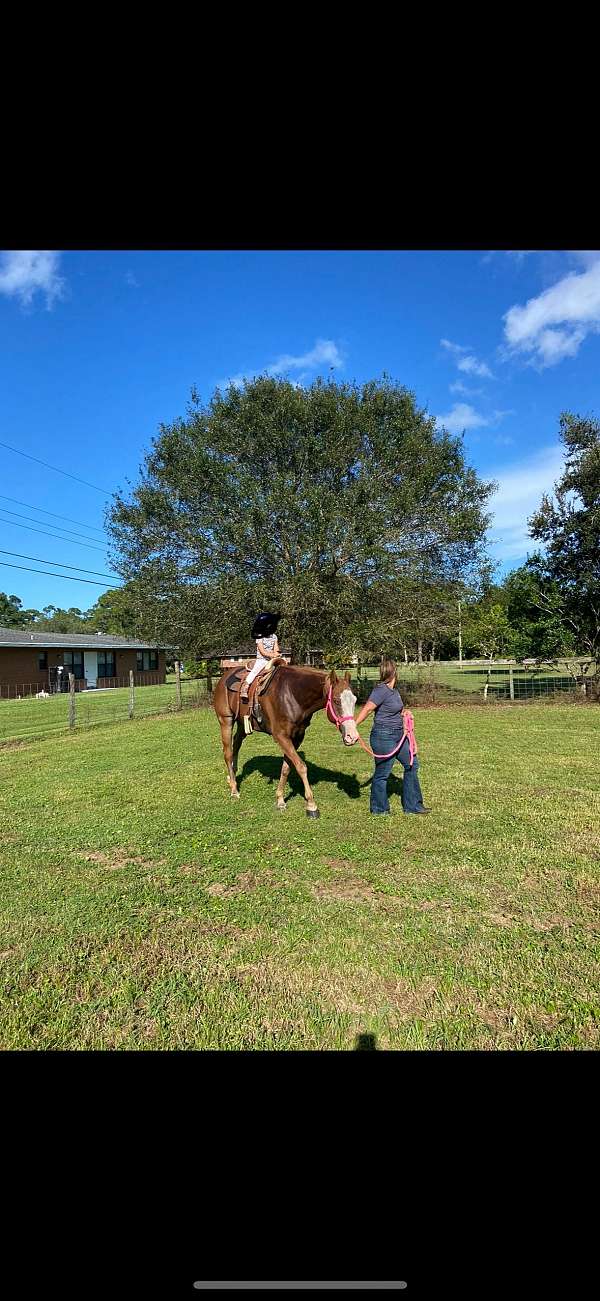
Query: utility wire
67	518
90	581
57	537
40	561
17	515
104	491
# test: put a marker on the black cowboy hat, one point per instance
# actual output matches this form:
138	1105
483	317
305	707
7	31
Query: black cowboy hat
265	624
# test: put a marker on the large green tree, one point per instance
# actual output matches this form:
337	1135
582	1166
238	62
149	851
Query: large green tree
303	499
54	619
116	611
12	614
567	524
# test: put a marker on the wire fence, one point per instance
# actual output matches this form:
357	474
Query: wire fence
38	716
481	682
35	715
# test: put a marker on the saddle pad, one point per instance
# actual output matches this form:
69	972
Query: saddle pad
234	681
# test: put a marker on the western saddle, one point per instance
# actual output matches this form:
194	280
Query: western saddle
253	714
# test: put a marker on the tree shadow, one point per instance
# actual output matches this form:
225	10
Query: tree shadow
366	1043
270	766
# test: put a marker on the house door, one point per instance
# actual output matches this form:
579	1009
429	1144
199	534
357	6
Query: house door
90	667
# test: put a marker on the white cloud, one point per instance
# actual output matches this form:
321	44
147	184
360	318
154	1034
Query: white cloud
464	416
459	387
468	364
520	489
24	273
554	325
325	353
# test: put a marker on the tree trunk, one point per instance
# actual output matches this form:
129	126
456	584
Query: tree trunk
420	652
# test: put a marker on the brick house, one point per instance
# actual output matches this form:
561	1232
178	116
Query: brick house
29	661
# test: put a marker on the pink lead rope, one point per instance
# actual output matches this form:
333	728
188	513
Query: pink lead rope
409	730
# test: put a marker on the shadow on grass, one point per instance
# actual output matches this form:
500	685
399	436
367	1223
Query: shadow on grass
366	1043
270	767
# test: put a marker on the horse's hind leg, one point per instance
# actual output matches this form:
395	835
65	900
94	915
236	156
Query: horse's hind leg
226	725
237	741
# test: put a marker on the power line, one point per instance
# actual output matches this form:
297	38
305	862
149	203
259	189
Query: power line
29	506
90	581
59	564
57	537
104	491
17	515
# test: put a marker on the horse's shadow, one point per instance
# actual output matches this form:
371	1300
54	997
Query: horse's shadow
270	766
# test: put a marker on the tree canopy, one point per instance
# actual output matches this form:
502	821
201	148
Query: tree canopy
567	524
308	500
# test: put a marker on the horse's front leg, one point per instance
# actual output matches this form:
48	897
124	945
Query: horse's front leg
286	744
285	772
279	796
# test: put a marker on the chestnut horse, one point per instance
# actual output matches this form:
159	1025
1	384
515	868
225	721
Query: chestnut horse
293	696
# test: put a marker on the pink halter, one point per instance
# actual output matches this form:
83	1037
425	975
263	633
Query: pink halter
409	730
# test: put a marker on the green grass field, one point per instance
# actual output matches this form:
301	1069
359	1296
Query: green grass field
142	908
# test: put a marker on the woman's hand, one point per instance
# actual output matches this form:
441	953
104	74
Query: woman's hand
364	711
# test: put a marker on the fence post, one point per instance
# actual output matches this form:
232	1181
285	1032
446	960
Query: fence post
208	680
71	700
178	683
131	692
511	683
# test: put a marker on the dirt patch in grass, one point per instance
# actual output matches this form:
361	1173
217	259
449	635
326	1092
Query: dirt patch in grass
117	859
244	883
589	892
359	992
586	844
352	891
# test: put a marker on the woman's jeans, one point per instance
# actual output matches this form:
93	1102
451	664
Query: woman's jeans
382	742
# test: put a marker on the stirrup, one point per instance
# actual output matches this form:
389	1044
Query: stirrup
248	728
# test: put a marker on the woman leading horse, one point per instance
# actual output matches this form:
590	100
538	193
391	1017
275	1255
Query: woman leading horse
386	703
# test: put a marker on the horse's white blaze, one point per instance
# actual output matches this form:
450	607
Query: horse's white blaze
349	730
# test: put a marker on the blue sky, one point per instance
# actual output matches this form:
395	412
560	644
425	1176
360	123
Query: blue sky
98	348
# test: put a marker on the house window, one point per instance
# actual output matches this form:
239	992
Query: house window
73	662
42	661
147	661
106	664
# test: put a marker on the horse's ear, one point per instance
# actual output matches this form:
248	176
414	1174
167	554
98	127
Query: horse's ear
333	677
347	678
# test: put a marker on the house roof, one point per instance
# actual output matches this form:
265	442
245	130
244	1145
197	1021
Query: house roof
72	641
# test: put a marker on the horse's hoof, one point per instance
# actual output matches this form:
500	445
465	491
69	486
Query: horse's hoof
235	795
313	813
281	807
